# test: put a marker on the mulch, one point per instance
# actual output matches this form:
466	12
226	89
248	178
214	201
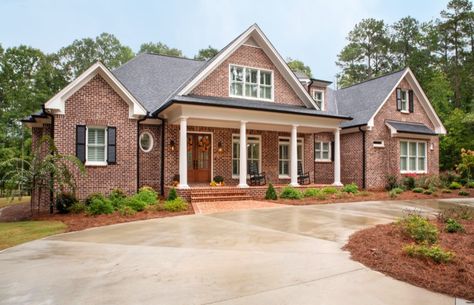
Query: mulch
380	248
77	222
371	196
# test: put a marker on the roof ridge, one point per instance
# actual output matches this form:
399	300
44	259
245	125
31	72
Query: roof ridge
171	56
371	79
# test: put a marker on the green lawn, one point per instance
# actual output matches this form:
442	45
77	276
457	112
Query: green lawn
17	200
14	233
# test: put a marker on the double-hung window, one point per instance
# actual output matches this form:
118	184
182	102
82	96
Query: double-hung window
253	153
413	157
404	100
251	83
318	97
96	146
284	156
322	151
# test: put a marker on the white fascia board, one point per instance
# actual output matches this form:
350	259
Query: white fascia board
256	33
57	103
425	103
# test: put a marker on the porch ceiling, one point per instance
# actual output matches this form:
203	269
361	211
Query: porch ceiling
259	120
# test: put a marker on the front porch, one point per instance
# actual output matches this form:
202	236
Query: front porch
204	142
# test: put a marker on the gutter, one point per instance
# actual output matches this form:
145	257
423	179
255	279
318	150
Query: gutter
51	192
138	149
364	153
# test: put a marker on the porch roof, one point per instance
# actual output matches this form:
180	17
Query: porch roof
247	104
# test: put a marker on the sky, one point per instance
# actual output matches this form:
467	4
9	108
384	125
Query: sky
311	31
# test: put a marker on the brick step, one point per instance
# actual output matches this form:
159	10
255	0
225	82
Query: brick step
211	193
220	198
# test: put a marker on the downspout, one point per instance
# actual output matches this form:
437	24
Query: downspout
51	193
363	157
162	169
138	149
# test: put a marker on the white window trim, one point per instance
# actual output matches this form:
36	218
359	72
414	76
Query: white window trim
379	145
152	141
96	163
259	153
321	150
258	98
408	171
300	142
322	97
406	110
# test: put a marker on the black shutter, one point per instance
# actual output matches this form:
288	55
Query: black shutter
111	145
332	151
399	99
81	143
410	100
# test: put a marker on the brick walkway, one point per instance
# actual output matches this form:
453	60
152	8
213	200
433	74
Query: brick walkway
224	206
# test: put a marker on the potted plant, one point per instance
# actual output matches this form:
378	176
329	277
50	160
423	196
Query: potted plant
219	180
175	180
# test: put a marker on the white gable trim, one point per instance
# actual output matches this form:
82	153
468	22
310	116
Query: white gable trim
57	103
255	33
420	94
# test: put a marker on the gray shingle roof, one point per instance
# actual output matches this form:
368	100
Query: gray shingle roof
152	78
248	104
409	127
362	100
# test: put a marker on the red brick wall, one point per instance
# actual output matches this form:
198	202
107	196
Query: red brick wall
351	158
384	161
323	171
217	83
96	103
150	162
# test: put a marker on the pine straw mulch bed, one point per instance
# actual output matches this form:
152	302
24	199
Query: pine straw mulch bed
380	248
77	222
371	196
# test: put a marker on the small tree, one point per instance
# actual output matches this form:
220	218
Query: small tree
172	195
271	193
466	166
48	170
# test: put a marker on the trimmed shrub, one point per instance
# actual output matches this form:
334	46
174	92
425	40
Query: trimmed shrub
126	211
64	201
419	228
391	182
117	198
470	185
271	193
329	190
435	253
393	194
417	190
176	205
289	192
452	226
135	203
446	191
312	192
427	192
98	207
172	195
447	177
409	182
218	179
398	190
93	196
455	185
350	188
147	195
463	193
77	208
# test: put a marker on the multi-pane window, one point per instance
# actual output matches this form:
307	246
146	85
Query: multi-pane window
404	100
318	97
253	153
322	151
250	82
412	157
284	156
96	145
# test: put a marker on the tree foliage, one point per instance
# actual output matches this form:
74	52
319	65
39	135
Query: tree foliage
206	54
160	49
298	65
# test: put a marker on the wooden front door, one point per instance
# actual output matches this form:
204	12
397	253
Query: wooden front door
199	157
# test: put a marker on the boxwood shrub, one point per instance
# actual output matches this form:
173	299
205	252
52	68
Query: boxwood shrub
176	205
289	192
99	206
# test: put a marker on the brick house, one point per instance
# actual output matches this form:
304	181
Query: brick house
157	119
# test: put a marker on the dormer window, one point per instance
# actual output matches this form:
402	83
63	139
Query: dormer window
404	100
318	97
251	83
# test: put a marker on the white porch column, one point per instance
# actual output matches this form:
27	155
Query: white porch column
243	155
183	153
294	155
337	158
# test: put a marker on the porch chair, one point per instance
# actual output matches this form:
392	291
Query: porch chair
303	178
256	178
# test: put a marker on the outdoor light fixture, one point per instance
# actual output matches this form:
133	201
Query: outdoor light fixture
219	147
172	146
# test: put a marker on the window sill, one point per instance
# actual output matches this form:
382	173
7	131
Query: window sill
251	98
322	161
284	177
88	163
405	111
414	172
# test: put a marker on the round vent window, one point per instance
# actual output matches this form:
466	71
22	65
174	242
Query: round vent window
146	141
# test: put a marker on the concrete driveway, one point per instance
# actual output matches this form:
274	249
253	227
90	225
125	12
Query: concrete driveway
284	255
